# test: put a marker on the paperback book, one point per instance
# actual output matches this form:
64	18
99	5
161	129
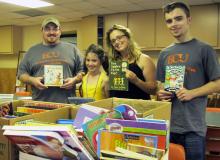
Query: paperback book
174	78
117	76
53	75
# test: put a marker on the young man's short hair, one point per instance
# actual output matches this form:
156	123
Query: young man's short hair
171	6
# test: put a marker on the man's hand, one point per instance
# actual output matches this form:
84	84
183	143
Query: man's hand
37	82
164	95
184	94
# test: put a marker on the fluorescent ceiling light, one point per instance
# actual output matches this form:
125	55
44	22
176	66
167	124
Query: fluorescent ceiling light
28	3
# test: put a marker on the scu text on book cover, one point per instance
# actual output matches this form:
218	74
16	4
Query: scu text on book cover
53	75
117	78
174	78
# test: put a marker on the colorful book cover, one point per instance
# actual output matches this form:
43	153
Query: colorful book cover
53	75
43	144
174	78
87	113
91	127
117	77
108	140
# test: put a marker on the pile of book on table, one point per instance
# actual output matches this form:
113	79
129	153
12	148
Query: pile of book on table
26	107
95	133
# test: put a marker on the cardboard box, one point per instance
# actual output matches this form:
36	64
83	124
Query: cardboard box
144	108
152	109
7	150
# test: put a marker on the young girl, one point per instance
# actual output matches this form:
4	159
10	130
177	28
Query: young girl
95	82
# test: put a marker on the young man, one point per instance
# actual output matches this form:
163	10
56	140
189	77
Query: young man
51	52
202	73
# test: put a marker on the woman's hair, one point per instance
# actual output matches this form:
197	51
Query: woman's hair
99	51
133	49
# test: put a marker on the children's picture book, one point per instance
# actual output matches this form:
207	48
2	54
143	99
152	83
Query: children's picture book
174	78
42	144
91	128
67	132
117	76
108	140
86	113
79	100
53	75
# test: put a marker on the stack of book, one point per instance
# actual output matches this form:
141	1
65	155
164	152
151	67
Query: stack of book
96	133
47	141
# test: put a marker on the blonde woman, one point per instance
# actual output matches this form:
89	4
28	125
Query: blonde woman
141	70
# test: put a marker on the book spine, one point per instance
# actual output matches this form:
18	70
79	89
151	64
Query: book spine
138	124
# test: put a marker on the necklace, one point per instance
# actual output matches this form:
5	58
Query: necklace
95	87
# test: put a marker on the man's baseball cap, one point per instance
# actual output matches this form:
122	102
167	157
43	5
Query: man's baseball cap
50	20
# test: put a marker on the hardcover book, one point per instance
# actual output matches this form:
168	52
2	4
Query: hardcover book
53	75
117	77
42	144
108	140
87	113
174	78
91	128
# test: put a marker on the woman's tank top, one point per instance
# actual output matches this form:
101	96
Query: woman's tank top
93	91
133	91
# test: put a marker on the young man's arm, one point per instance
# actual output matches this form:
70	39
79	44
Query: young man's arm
211	87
